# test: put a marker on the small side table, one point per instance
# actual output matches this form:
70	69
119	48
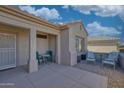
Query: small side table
45	57
81	56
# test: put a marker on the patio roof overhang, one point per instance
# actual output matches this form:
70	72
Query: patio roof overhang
32	18
26	16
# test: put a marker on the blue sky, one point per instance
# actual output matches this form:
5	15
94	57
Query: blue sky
98	20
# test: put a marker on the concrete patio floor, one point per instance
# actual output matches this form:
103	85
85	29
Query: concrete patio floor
115	77
52	76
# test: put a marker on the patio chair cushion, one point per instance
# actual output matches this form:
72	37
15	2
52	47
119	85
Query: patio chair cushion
108	62
113	56
91	55
109	59
91	59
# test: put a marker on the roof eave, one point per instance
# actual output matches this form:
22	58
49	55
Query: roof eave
27	16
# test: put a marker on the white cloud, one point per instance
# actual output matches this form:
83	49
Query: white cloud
43	12
122	15
96	29
47	13
85	9
120	27
28	9
103	10
65	6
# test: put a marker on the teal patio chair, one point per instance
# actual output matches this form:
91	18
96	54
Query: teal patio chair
39	57
50	53
91	56
111	59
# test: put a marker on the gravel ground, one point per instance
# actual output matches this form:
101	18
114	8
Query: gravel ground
115	77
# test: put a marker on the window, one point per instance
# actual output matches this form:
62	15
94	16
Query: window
79	46
42	36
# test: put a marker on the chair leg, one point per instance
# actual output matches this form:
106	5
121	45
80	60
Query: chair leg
94	62
102	64
114	66
38	61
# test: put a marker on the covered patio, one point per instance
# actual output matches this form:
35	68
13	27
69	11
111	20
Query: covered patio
29	35
47	42
18	47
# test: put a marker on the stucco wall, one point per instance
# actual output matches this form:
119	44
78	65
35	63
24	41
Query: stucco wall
74	31
68	47
102	46
52	46
65	55
23	47
22	42
105	49
42	44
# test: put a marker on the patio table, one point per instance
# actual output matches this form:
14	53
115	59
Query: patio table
45	57
100	56
81	56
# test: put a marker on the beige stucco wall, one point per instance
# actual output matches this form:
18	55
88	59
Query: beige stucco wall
65	55
53	46
42	44
104	49
102	46
68	48
74	32
22	42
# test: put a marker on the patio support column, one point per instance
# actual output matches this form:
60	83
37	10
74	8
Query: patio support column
33	66
58	48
